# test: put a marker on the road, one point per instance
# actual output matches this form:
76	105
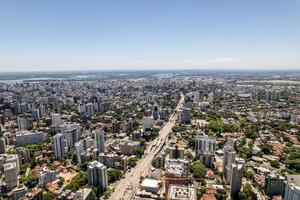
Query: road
127	186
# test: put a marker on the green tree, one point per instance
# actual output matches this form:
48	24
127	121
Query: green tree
30	181
77	182
247	193
198	169
48	196
114	175
132	162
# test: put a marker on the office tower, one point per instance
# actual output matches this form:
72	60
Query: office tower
59	145
24	138
22	124
56	119
236	179
97	175
228	159
292	188
148	123
99	139
205	150
10	175
79	148
2	145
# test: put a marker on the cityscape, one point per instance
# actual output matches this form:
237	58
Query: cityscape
152	135
150	100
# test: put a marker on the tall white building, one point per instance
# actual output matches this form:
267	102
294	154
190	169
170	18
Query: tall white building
148	122
56	119
79	149
97	175
22	124
10	158
10	175
205	150
228	159
59	145
47	176
25	138
99	136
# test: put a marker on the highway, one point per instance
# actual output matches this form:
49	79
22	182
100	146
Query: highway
127	186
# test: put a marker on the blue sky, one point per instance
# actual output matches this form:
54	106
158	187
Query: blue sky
149	34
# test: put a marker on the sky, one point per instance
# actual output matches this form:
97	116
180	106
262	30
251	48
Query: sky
51	35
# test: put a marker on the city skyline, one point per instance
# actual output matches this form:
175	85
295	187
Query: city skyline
143	35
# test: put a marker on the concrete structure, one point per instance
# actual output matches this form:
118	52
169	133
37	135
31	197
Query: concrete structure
10	175
22	124
151	185
79	149
97	175
59	145
176	167
176	152
177	192
205	150
47	176
24	138
113	160
56	119
292	188
19	192
236	179
184	116
10	158
228	159
128	147
99	136
148	123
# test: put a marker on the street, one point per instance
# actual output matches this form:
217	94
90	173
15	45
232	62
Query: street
132	178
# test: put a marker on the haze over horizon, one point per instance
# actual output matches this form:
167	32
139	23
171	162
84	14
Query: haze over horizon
141	34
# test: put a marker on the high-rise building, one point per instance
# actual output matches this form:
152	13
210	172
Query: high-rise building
292	188
236	179
97	175
47	176
148	122
56	119
2	145
228	159
24	138
10	175
99	136
79	148
10	158
205	150
184	116
22	124
59	145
